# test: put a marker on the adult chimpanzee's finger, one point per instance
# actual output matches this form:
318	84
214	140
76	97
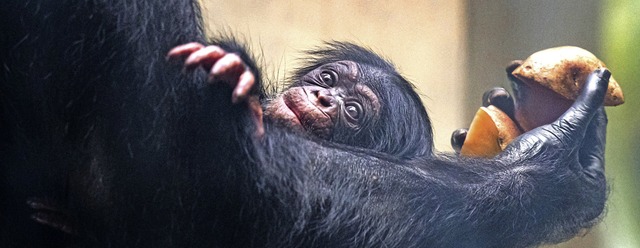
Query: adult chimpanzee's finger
500	98
43	204
457	138
591	154
574	122
55	221
184	50
511	67
51	214
204	57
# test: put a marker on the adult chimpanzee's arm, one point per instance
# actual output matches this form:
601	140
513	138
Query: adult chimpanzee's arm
145	156
563	174
323	194
546	187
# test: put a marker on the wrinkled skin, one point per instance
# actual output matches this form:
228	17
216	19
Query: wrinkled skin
326	98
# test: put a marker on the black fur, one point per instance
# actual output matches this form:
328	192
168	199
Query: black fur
404	129
145	156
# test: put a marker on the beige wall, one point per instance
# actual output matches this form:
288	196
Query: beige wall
425	39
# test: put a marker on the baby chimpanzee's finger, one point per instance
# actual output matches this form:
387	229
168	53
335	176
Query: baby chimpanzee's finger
229	65
256	115
205	57
245	84
184	50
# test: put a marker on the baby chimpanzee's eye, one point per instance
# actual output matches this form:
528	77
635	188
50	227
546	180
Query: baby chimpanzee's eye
353	111
328	78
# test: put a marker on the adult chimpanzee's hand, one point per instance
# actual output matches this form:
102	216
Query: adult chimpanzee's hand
498	97
582	127
578	135
226	67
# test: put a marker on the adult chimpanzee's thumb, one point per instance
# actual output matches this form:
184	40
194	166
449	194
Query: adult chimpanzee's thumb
567	133
575	121
594	90
591	153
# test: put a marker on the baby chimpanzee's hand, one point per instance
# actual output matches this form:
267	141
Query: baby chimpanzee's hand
223	67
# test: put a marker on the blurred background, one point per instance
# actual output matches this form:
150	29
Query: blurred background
454	50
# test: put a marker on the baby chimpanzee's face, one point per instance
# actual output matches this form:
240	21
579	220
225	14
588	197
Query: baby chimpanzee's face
324	99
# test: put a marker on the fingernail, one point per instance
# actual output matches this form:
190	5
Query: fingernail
457	139
602	73
495	96
513	65
605	74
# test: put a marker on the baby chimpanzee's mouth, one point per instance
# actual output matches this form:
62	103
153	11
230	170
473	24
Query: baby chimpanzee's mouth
309	116
291	105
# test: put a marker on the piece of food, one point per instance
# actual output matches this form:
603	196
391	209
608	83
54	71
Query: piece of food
490	132
564	70
547	83
544	87
536	105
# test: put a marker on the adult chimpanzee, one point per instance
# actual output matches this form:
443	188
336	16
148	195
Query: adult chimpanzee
345	93
145	156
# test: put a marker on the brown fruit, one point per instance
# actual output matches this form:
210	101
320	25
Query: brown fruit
536	105
490	132
550	80
564	70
